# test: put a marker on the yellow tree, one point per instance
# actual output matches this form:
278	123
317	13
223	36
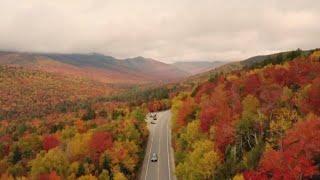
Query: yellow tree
77	147
201	163
54	160
119	176
124	154
87	177
282	121
192	133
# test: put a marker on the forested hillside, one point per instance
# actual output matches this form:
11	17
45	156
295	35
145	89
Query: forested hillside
251	63
261	122
30	93
98	67
59	127
257	122
102	140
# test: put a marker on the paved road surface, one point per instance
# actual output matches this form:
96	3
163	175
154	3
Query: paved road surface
159	142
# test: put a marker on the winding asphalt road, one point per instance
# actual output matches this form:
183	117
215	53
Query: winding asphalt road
159	142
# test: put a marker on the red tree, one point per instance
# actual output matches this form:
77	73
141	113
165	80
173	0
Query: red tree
234	99
205	88
303	139
303	71
224	134
269	96
252	84
52	176
185	112
206	117
100	141
277	75
314	96
5	141
295	158
156	106
49	142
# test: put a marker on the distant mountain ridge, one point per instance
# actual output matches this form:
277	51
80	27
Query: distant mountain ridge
250	63
196	67
96	66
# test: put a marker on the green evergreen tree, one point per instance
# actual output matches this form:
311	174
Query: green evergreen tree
16	155
81	170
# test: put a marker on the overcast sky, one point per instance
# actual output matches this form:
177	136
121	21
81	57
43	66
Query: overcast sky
167	30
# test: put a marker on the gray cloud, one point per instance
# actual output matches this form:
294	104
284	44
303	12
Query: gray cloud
168	30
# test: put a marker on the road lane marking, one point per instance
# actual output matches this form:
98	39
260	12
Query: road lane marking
149	153
162	116
168	133
159	150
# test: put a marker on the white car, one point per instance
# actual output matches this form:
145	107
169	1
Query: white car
154	157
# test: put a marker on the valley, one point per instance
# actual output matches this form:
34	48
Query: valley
232	121
159	90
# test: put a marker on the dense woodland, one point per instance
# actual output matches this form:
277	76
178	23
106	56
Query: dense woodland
103	141
26	93
257	123
58	127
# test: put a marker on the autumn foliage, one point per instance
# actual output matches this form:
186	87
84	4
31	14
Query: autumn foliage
186	112
100	141
261	123
264	122
314	96
49	176
63	145
49	142
158	105
29	93
252	83
206	118
295	158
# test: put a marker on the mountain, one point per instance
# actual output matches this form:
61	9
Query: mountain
95	66
251	63
153	69
263	121
52	122
28	93
196	67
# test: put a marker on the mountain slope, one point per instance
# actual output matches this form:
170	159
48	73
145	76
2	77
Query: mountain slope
251	63
96	66
153	69
196	67
52	125
29	93
254	123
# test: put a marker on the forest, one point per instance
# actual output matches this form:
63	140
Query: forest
256	123
103	141
58	127
159	90
26	93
